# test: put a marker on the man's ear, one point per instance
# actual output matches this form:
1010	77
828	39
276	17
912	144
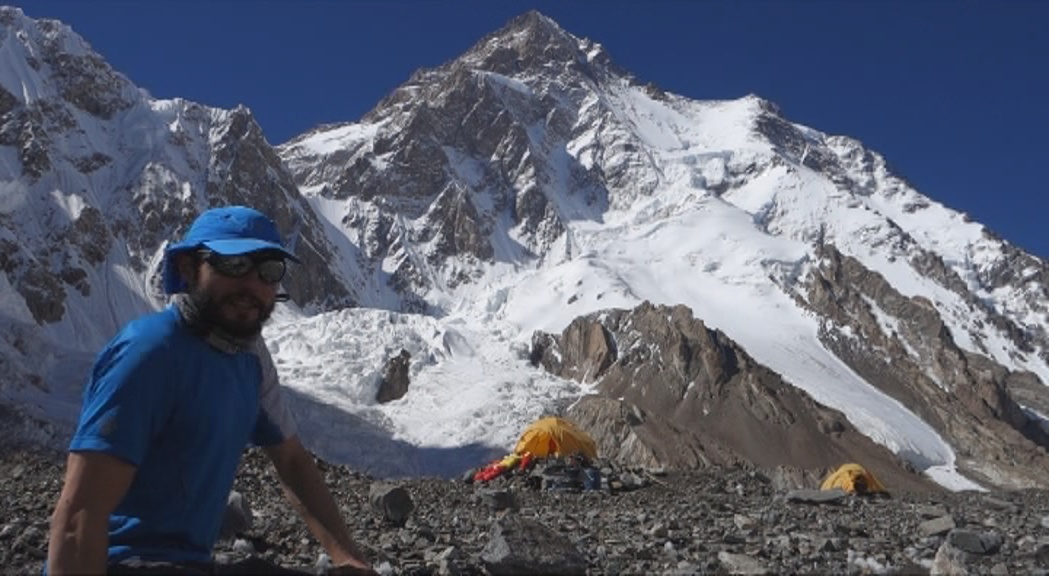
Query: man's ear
187	267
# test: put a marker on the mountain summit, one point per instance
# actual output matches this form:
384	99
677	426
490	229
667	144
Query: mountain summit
526	225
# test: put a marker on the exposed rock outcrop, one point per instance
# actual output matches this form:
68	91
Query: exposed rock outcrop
394	383
692	397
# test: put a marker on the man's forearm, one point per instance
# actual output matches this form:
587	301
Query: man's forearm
306	489
75	547
95	482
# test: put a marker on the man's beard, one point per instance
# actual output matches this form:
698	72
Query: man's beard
210	310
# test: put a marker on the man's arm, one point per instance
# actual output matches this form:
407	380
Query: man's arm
94	484
305	488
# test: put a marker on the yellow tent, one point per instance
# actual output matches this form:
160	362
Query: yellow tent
854	479
555	436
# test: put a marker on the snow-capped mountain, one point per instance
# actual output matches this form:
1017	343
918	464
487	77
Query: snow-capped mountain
486	204
97	176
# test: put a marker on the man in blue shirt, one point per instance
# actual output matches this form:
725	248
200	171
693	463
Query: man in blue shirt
171	404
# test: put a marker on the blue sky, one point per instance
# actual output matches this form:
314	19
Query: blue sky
953	94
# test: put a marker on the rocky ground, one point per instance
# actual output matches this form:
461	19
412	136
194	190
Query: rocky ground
709	522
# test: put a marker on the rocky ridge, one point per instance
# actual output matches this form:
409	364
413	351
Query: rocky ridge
965	396
672	392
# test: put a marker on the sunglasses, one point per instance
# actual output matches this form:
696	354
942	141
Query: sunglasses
269	265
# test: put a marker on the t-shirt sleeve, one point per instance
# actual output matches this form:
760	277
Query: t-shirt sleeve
275	423
125	403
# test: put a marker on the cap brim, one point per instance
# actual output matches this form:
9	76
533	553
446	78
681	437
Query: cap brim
235	246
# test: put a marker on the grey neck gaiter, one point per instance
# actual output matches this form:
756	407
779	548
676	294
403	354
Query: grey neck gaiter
214	335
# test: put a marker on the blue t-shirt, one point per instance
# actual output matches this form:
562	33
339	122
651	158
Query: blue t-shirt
182	411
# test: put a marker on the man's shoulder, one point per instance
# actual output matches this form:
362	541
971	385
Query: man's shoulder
160	328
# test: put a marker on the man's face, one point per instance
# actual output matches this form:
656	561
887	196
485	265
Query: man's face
239	305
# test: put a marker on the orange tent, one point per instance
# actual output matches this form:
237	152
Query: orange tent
854	479
553	436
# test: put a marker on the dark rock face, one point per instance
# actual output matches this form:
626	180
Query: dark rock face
84	80
88	83
675	393
718	520
394	384
43	274
460	229
43	294
584	351
8	102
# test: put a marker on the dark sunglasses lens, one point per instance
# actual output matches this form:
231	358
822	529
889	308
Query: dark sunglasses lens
232	266
271	271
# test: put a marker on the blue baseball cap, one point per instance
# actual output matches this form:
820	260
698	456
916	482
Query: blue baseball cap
230	230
